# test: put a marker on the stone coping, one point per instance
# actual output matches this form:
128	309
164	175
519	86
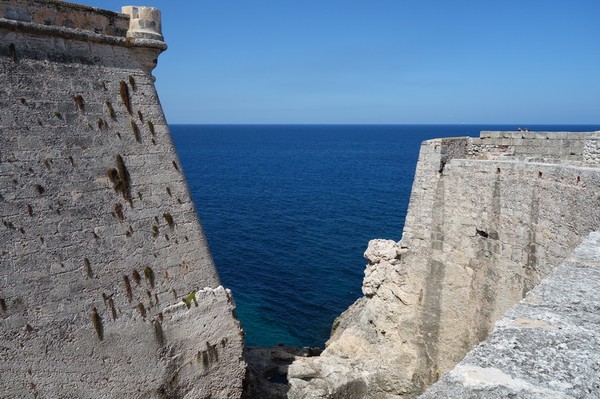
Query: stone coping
485	134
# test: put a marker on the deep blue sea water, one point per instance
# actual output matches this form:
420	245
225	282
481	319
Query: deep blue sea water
288	211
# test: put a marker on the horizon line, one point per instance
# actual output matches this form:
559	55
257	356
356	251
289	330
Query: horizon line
522	125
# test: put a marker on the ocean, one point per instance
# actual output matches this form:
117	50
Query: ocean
288	211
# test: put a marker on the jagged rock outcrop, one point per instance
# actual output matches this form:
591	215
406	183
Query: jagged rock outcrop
488	219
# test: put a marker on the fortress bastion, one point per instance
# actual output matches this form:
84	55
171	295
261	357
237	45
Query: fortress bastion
107	286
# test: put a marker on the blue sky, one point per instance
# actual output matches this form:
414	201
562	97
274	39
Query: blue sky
379	61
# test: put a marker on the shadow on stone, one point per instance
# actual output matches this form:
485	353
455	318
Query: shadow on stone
266	375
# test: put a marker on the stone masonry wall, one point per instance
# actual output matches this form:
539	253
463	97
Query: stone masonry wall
100	243
544	347
482	230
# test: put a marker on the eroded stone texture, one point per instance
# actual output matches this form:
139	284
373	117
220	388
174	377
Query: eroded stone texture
99	238
488	219
544	347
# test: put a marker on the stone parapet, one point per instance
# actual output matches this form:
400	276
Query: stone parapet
66	15
567	146
69	33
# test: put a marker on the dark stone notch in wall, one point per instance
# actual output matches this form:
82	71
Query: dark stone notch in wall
481	233
78	98
209	355
124	91
13	52
136	131
97	323
121	179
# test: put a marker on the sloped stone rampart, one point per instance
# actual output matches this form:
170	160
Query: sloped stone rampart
544	347
99	239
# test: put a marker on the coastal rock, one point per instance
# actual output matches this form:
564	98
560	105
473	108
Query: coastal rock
383	257
381	250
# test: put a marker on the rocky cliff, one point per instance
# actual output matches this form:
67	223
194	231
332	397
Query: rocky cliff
488	219
107	286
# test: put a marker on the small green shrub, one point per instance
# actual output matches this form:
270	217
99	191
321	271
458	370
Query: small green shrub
191	297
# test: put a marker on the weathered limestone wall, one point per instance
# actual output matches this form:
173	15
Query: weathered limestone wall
486	223
99	238
544	347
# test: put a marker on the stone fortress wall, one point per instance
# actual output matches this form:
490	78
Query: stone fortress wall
107	286
488	219
100	241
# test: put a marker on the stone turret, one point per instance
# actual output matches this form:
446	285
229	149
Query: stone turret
144	22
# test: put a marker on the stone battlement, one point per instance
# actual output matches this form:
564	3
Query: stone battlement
65	32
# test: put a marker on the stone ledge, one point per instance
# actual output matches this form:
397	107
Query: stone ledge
77	34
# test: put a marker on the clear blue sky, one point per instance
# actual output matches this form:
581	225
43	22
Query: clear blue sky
379	61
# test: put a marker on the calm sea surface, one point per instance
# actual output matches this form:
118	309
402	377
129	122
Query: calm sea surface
288	211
